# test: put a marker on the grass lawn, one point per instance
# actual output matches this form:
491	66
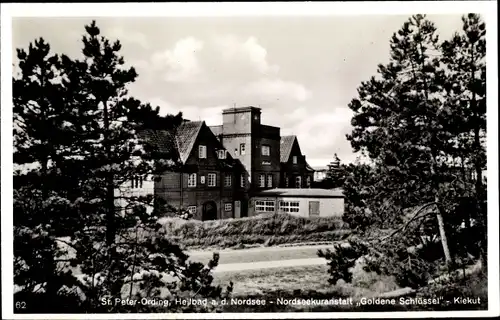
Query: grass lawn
258	282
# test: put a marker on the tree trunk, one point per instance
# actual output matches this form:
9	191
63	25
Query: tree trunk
444	240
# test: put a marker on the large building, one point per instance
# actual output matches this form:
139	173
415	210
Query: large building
220	168
269	159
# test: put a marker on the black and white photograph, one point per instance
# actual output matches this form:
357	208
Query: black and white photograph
255	160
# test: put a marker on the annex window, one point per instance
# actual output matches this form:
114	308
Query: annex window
308	181
242	180
264	206
136	182
266	150
269	180
228	207
289	206
221	154
242	148
191	209
262	181
202	152
313	208
192	180
294	159
227	180
211	179
298	182
286	182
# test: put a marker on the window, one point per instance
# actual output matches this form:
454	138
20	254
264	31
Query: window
235	151
313	208
242	180
294	159
192	209
227	180
264	206
202	179
308	181
269	180
289	206
136	182
242	148
266	150
286	182
228	207
221	154
262	181
298	182
202	152
192	180
211	179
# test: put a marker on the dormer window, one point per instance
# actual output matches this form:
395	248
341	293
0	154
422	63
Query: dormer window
221	154
294	159
202	152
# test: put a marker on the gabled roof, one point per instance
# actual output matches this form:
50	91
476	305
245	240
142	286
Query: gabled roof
186	136
162	140
286	145
179	145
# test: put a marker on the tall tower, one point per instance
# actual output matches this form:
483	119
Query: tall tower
239	126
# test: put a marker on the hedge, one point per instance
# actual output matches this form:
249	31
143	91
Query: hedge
266	229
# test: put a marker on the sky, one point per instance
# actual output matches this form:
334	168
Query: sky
301	71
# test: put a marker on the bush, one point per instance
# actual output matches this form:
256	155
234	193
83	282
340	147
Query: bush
342	259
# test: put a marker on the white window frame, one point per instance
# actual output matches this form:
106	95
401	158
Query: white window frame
262	180
242	148
221	154
269	180
242	180
290	206
202	179
298	180
228	206
192	209
294	159
227	180
212	180
192	180
202	151
266	150
265	205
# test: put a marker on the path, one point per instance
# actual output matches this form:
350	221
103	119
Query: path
262	258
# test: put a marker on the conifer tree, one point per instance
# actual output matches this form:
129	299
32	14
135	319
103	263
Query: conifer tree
401	123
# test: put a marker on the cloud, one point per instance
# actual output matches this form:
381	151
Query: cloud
322	133
178	64
278	88
233	50
211	115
